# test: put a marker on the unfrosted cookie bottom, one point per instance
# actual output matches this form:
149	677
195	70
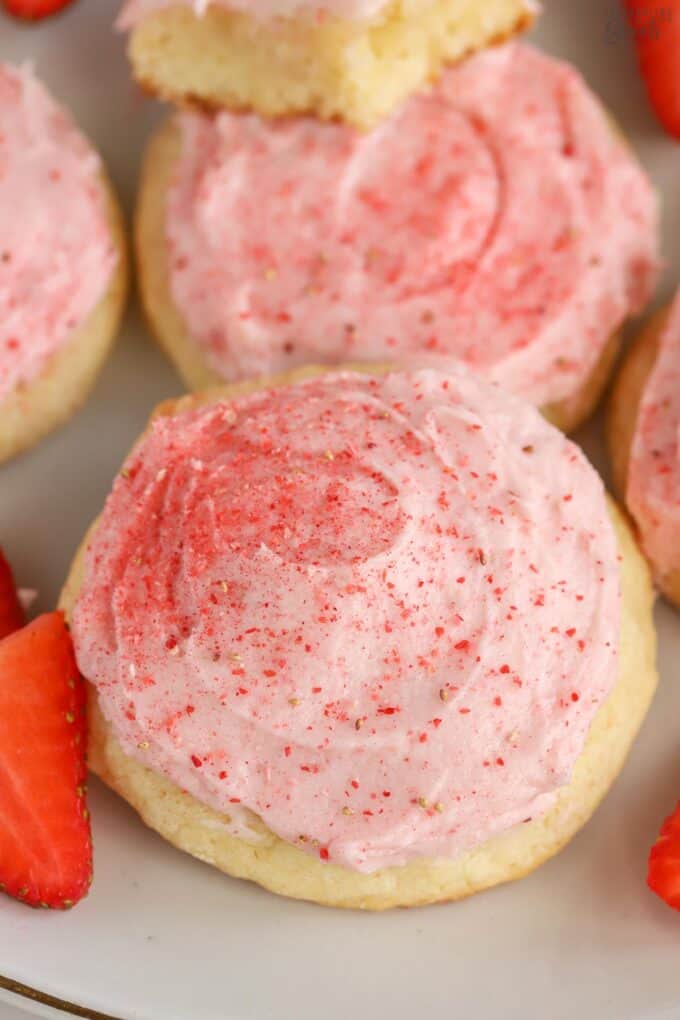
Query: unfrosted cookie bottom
353	70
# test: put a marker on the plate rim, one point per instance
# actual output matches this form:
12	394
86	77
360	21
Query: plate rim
31	994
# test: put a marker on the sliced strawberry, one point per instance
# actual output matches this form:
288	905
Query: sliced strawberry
34	10
11	613
45	845
664	862
656	29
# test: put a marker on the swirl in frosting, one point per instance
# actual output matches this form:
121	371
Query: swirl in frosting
653	488
378	612
496	218
57	254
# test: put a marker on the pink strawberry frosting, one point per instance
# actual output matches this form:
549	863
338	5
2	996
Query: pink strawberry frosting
134	11
379	613
496	218
653	491
57	254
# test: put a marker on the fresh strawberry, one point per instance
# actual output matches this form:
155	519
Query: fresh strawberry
11	613
656	29
45	845
34	10
664	862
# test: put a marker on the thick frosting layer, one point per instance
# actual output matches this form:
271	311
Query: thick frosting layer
653	491
57	253
379	613
496	218
134	11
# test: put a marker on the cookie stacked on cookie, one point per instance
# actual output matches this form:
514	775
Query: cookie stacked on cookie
495	217
354	60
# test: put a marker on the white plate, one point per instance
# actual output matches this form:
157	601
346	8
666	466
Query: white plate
162	937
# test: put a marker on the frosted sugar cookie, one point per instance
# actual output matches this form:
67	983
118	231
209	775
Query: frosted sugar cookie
496	219
366	640
644	440
62	263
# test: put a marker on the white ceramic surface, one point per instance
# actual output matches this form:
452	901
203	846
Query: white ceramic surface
162	937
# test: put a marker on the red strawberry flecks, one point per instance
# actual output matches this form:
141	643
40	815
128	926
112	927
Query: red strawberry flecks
34	10
45	844
656	29
11	613
664	862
